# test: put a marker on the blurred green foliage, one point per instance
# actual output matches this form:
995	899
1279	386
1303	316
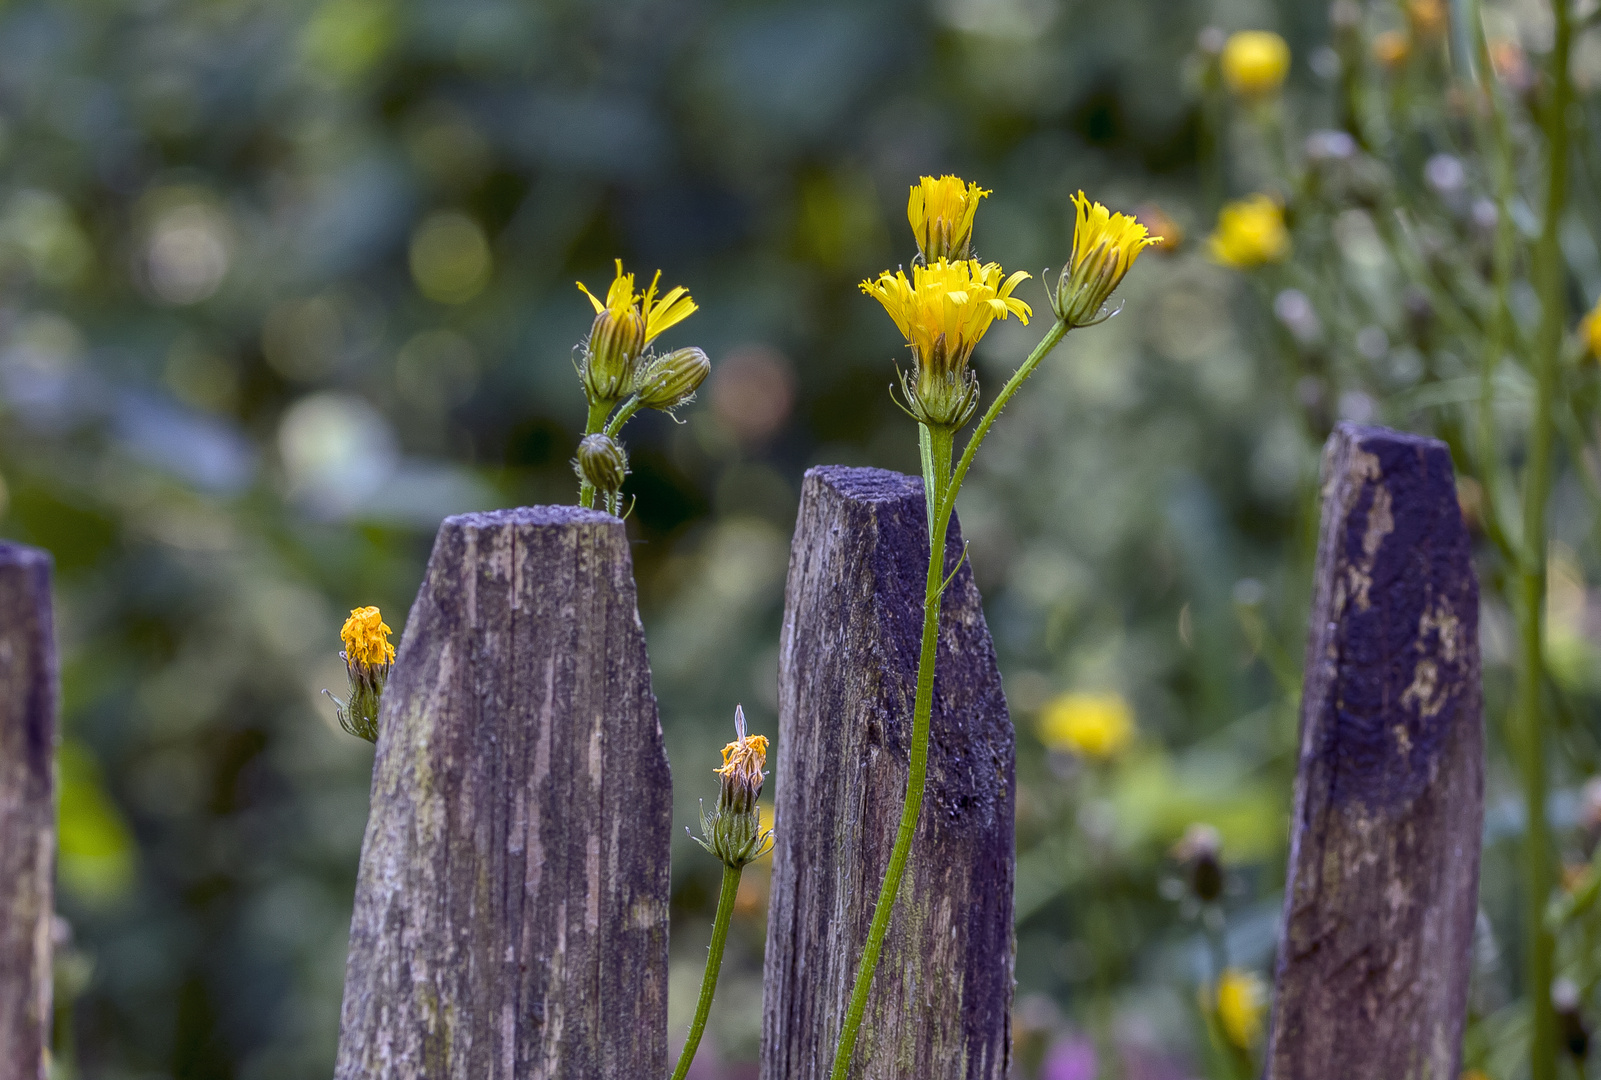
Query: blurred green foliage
281	284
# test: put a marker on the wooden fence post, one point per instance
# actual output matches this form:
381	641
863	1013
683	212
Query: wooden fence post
27	809
1383	882
941	1003
511	909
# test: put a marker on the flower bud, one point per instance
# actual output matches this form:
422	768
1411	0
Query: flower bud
1105	245
612	354
941	397
733	830
672	380
602	463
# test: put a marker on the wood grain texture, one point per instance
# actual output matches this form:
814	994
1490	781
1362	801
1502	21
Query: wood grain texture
511	907
941	1002
28	696
1379	910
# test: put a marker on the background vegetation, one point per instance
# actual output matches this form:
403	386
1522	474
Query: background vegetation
281	284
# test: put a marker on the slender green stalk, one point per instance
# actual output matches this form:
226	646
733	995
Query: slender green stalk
598	410
937	445
1548	281
714	963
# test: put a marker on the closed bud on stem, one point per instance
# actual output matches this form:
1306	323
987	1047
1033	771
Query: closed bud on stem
368	657
732	830
670	381
601	463
611	355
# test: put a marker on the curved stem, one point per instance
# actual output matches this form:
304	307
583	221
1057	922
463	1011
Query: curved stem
1047	343
714	963
1531	577
941	498
624	414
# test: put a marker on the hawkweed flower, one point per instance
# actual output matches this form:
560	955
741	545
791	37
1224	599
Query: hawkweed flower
1255	63
1105	245
669	381
1250	233
368	656
941	213
943	310
1241	1006
625	325
1098	727
732	830
601	463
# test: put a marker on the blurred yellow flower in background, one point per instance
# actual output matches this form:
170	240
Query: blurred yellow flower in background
1250	233
1427	17
1095	726
1391	48
1255	62
1590	331
1241	1006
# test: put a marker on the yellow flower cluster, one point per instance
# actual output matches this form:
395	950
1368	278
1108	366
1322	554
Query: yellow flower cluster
366	638
941	214
943	310
1250	233
1094	726
1241	1006
1255	63
655	313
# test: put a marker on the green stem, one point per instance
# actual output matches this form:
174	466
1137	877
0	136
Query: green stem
937	445
598	411
714	963
1548	281
624	414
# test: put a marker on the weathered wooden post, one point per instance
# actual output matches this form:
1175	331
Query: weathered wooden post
27	809
942	998
511	908
1383	883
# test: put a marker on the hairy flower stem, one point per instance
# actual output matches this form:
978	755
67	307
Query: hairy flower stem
1547	272
943	483
598	411
714	963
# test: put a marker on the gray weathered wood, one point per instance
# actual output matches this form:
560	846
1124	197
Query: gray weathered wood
511	908
941	1002
27	809
1379	908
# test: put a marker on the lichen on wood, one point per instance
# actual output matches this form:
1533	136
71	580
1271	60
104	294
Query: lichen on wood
941	1001
511	908
1380	904
28	703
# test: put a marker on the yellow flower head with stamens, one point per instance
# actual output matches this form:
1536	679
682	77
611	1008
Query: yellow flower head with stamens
943	310
941	212
734	830
1241	1006
1250	233
1255	62
1105	245
366	638
625	324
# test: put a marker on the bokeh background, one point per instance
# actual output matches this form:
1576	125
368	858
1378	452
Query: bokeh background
284	283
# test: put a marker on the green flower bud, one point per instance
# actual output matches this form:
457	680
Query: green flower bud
941	398
611	356
671	380
602	463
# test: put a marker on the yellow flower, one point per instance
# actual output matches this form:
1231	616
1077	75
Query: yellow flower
1255	62
1590	331
625	324
741	772
1096	726
736	830
941	212
1391	49
1250	233
366	638
943	310
1105	245
1241	1004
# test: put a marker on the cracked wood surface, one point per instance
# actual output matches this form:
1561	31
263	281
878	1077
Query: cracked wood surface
941	1001
511	907
28	696
1379	909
